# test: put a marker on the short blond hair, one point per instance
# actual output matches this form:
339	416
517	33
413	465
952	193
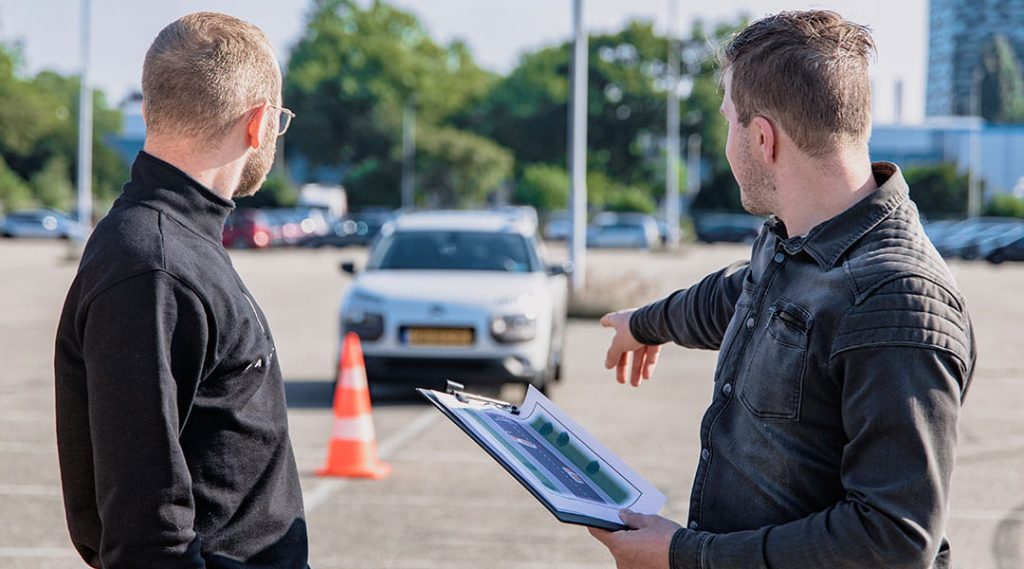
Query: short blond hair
203	73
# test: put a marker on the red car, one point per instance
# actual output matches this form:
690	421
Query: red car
247	229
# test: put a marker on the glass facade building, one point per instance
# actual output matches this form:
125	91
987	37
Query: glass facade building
959	33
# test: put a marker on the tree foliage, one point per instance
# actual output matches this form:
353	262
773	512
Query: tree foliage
349	78
39	138
1005	205
526	111
1002	85
456	168
938	190
357	66
543	186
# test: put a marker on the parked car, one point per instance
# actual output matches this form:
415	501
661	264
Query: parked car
558	226
989	241
41	223
248	229
935	230
1012	251
959	238
458	295
623	230
730	227
356	229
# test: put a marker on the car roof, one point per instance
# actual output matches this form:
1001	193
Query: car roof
463	220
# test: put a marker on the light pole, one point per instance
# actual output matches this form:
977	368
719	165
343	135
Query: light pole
672	130
408	155
974	171
578	149
85	127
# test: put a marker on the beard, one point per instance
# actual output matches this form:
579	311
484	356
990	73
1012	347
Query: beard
757	186
257	165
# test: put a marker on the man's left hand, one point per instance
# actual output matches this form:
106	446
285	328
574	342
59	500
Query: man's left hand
643	546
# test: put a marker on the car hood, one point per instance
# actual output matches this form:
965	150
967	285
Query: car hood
477	287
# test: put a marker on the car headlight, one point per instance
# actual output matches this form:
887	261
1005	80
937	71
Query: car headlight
509	328
363	315
367	325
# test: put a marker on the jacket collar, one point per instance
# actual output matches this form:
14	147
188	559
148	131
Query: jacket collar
827	241
164	187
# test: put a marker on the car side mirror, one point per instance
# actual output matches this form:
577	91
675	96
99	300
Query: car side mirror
565	268
348	267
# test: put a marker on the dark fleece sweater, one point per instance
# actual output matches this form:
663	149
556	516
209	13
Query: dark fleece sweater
172	429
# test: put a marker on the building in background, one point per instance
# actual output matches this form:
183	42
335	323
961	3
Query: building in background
960	32
949	139
133	129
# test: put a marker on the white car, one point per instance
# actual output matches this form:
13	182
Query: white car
460	295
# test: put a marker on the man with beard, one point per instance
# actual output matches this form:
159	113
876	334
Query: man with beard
845	348
172	428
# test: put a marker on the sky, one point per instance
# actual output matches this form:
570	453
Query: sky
497	31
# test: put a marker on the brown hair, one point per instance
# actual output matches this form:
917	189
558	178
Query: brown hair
202	74
808	71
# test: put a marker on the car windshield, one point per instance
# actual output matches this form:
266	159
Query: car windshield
453	251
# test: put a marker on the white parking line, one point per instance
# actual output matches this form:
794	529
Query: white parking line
317	496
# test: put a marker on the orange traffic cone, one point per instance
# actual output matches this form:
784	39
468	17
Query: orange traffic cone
352	450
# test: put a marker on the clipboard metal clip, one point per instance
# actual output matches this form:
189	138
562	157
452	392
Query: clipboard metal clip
458	390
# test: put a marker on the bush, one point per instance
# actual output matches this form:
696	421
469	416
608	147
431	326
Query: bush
52	185
1005	205
630	199
544	186
14	192
938	189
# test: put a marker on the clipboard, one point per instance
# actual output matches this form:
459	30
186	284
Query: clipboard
572	474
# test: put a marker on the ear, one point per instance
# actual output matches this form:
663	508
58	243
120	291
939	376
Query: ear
257	126
142	109
766	137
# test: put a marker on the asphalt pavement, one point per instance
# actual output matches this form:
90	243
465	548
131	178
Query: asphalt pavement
447	504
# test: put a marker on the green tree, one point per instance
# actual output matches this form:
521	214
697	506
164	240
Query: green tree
544	186
349	78
52	185
39	132
1005	205
108	168
1002	85
455	168
526	111
939	190
630	199
14	192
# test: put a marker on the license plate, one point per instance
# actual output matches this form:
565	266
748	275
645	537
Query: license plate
439	336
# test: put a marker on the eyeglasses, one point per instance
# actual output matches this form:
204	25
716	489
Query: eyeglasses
284	121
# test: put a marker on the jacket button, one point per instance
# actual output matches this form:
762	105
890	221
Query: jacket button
693	526
779	257
750	322
704	454
727	389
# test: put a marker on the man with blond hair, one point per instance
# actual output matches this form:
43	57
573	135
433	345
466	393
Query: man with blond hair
172	429
845	348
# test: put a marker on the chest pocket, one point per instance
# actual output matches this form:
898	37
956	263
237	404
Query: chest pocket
773	380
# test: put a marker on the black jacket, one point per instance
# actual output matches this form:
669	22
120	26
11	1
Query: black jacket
172	428
844	357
